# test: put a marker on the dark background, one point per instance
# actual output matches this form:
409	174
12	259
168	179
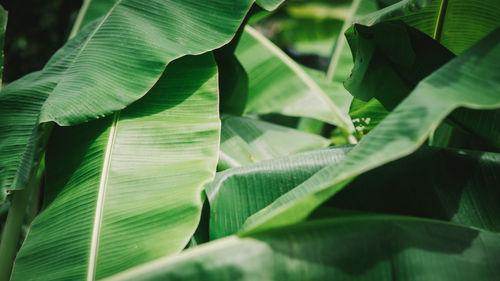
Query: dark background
35	30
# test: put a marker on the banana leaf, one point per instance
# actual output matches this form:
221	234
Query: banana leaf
112	62
126	189
364	247
277	84
401	132
245	141
454	185
456	24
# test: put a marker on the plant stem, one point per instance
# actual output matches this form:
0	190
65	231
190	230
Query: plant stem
15	218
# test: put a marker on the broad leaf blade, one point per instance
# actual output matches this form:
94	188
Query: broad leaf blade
126	189
400	133
236	194
245	141
390	59
97	73
279	85
458	186
456	24
392	248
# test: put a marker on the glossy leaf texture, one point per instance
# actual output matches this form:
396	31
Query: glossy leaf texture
458	186
245	141
126	189
237	193
401	132
393	248
111	63
456	24
277	84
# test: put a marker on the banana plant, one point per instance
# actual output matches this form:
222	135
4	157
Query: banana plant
148	140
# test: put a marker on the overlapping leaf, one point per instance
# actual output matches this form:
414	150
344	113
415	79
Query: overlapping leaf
279	85
346	248
458	186
400	133
126	189
390	59
238	193
245	141
110	64
456	24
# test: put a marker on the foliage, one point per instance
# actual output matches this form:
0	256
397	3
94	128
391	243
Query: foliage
174	140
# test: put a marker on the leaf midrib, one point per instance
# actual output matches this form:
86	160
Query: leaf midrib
96	229
438	30
316	90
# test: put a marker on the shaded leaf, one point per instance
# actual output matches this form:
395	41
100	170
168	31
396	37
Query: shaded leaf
458	186
456	24
401	132
392	248
390	59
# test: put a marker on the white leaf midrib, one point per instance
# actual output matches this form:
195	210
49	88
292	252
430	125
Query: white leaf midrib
94	245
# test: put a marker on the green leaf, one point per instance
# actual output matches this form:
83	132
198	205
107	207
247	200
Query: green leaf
233	84
269	4
111	63
392	52
92	10
279	85
456	24
126	189
348	248
366	115
238	193
484	124
401	133
341	60
452	185
306	27
398	80
245	141
457	186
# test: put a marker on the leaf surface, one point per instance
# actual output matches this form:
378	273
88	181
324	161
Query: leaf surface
277	84
393	248
456	24
245	141
457	186
401	132
112	62
126	189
